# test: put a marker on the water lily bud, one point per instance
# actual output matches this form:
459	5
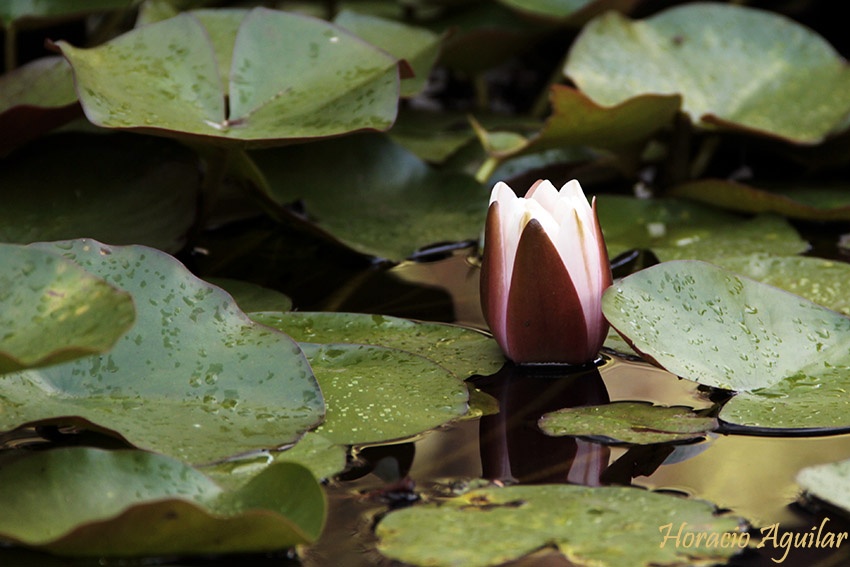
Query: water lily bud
544	270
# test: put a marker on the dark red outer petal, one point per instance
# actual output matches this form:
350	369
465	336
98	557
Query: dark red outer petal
494	296
545	321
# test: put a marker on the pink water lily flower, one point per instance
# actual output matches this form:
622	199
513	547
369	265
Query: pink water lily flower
544	270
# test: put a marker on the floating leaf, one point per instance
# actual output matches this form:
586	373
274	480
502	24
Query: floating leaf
252	297
393	202
464	352
379	394
819	204
675	229
825	282
735	67
432	136
577	120
35	99
165	78
628	422
83	501
573	12
52	311
723	330
115	188
418	46
829	482
17	10
193	378
607	526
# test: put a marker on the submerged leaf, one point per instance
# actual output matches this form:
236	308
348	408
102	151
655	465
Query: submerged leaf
629	422
52	310
601	526
89	502
166	78
735	67
193	378
464	352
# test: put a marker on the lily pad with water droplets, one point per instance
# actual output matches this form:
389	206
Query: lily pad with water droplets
464	352
253	297
80	501
735	67
193	378
289	77
628	422
52	310
378	394
724	330
599	526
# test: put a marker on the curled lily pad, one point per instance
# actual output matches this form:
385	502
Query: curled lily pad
462	351
89	502
735	67
193	378
165	77
610	526
809	203
52	310
379	394
628	422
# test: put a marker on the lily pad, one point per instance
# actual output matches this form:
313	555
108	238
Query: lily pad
577	120
818	204
675	229
417	46
723	330
89	502
35	99
252	297
379	394
829	482
464	352
825	282
628	422
735	67
393	202
604	526
193	378
18	10
165	78
575	12
52	311
115	188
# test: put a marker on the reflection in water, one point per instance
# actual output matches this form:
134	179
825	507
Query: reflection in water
512	446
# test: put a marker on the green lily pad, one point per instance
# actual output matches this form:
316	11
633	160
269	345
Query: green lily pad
675	229
464	352
575	12
252	297
320	456
378	394
735	67
193	378
818	204
719	329
628	422
89	502
829	482
393	202
35	99
52	310
577	120
119	189
432	136
165	78
825	282
17	10
417	46
605	526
